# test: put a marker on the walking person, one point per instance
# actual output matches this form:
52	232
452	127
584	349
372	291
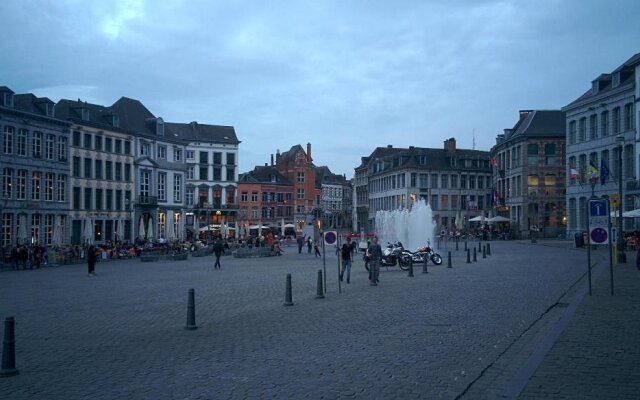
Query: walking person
346	256
309	244
375	255
218	250
300	241
316	248
91	260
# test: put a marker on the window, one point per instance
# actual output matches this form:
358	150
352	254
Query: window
254	212
87	168
434	181
145	149
7	184
604	123
217	158
77	196
177	188
444	181
162	186
532	154
21	142
35	185
76	138
98	169
572	132
217	175
301	193
98	143
628	116
99	205
49	146
108	145
615	122
145	183
127	147
118	147
480	183
550	154
159	127
191	155
127	172
36	147
244	196
61	184
108	170
231	159
177	154
254	196
118	171
189	197
22	184
7	140
7	223
118	199
35	227
582	129
49	179
472	182
62	148
87	141
204	158
84	114
203	173
87	198
454	181
413	181
301	178
593	127
190	173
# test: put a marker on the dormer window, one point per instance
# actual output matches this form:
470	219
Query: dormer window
595	85
7	99
159	127
115	121
616	79
84	114
48	109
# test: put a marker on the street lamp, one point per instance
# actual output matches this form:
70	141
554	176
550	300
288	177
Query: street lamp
622	257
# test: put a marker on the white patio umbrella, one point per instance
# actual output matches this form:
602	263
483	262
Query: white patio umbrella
142	232
57	231
88	230
22	229
477	219
170	234
498	219
120	229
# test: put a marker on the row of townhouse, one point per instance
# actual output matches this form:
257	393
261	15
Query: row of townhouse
456	183
76	172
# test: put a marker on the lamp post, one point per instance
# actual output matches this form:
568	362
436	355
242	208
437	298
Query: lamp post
622	257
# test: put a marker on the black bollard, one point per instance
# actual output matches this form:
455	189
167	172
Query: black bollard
479	247
475	258
191	312
288	298
484	251
465	245
320	291
449	260
488	249
9	349
456	243
425	260
468	256
410	275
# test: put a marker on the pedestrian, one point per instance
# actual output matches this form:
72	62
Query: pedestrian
309	244
316	248
300	241
346	255
375	255
91	260
15	258
218	250
24	256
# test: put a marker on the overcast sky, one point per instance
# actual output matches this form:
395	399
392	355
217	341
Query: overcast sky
346	76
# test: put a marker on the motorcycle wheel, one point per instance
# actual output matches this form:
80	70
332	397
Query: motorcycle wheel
403	263
437	260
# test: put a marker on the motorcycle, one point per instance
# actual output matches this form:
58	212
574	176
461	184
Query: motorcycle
394	254
427	253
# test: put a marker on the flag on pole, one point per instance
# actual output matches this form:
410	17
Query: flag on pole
604	172
593	171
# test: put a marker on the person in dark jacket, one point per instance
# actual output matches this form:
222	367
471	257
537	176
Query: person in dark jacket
91	260
218	250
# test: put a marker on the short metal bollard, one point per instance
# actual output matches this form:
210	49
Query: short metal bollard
475	258
484	252
456	244
468	256
424	265
9	349
288	297
320	290
479	247
191	312
410	275
488	249
465	245
449	260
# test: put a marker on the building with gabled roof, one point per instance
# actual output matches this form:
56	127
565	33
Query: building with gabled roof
336	201
529	174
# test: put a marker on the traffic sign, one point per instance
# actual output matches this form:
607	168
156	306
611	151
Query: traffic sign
599	221
330	237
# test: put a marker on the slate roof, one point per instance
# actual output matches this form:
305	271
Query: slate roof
540	123
264	174
290	155
99	116
195	132
135	117
324	175
606	80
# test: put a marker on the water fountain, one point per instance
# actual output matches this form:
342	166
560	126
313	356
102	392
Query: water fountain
413	227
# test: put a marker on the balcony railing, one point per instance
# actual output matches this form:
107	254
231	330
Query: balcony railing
145	200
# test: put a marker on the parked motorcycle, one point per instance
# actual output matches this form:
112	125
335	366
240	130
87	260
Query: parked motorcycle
428	253
394	254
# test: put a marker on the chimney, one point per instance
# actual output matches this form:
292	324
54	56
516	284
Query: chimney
389	146
524	114
277	156
450	145
309	151
272	159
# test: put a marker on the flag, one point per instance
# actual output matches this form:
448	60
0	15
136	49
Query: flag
574	173
494	197
604	172
593	171
493	162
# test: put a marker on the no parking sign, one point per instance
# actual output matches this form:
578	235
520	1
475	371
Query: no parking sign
599	221
330	237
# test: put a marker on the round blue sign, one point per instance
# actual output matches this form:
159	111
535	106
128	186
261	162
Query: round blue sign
599	235
330	237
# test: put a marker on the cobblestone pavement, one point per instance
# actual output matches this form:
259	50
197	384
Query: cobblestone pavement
461	332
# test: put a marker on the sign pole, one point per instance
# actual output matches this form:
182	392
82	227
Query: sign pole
611	249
